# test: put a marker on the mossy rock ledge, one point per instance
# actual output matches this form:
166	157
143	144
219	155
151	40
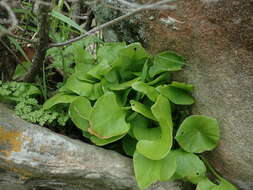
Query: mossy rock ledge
35	158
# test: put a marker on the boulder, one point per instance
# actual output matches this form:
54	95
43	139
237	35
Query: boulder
216	37
35	158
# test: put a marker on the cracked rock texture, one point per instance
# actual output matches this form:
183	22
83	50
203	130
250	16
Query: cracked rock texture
216	37
35	158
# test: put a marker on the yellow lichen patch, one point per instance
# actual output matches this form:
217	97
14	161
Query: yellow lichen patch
10	141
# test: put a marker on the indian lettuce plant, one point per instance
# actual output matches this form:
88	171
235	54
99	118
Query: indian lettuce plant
126	94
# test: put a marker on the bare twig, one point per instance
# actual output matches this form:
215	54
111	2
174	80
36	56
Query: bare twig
128	4
114	21
43	41
20	38
123	5
12	18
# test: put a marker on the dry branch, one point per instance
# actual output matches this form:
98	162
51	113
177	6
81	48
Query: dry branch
11	18
141	8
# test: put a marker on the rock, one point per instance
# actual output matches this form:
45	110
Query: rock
216	37
35	158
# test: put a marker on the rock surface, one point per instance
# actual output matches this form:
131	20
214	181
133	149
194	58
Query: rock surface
216	37
35	158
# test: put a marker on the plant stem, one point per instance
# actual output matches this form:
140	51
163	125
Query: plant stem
112	22
44	82
208	165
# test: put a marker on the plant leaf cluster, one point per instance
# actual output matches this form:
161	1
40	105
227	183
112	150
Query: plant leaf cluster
122	93
24	97
125	93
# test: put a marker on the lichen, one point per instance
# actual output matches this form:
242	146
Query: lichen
10	141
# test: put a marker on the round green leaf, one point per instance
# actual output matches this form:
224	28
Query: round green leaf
79	87
60	98
166	61
108	52
176	95
198	134
168	167
149	171
134	50
79	112
189	166
107	118
146	171
130	61
158	149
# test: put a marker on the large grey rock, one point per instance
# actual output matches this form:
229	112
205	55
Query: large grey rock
216	37
35	158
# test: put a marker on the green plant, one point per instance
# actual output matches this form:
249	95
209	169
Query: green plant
24	97
62	28
63	58
125	93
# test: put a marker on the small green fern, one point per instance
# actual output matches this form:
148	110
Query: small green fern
27	107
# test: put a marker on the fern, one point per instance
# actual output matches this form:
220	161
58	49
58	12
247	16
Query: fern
24	97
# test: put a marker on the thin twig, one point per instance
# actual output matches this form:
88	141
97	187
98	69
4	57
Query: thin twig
21	38
128	4
209	166
12	18
112	22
